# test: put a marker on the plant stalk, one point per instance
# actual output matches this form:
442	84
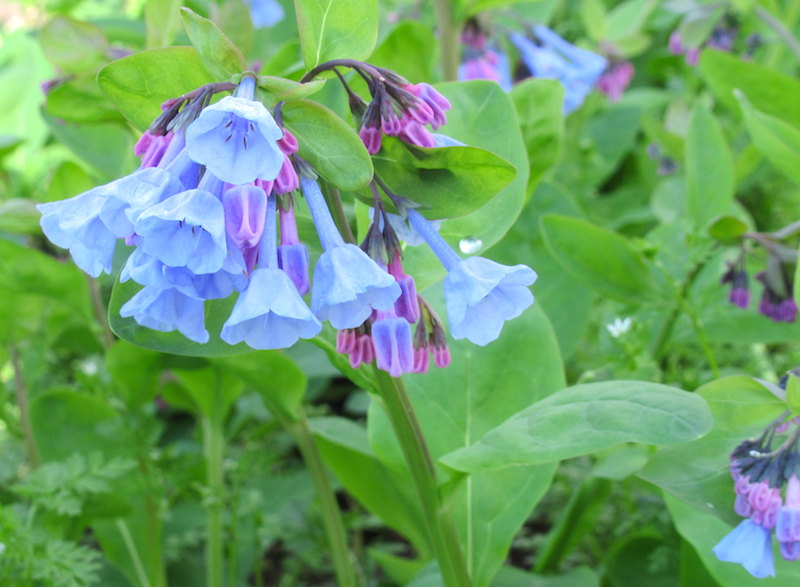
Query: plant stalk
24	413
441	529
332	518
448	39
213	449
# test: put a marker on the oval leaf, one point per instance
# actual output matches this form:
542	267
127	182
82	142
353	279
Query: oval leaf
220	56
586	418
335	30
603	260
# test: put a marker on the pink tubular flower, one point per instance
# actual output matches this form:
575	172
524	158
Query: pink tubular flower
615	79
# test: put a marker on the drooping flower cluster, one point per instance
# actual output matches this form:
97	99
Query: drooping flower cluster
217	182
777	299
760	473
721	38
544	54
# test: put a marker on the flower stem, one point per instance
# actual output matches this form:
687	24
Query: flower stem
784	33
24	413
441	529
213	450
448	39
332	518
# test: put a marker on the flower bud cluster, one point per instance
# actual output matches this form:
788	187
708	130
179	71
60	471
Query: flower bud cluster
760	475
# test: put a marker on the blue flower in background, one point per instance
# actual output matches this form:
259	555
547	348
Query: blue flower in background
265	13
750	545
550	56
237	138
490	63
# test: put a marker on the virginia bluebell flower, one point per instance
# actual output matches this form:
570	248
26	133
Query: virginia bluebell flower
167	310
550	56
348	285
292	254
391	338
480	294
270	314
236	138
750	545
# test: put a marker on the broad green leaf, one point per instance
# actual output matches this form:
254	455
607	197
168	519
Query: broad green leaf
778	141
698	23
74	46
345	449
769	91
212	389
582	419
135	371
65	422
284	89
276	378
162	20
728	230
220	56
336	30
703	531
447	182
698	472
539	103
793	393
456	406
407	50
509	576
28	271
216	313
593	15
234	20
80	100
629	560
331	145
628	19
140	83
729	324
603	260
709	168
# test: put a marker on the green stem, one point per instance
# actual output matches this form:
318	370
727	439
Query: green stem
141	575
100	312
448	39
334	201
784	33
701	334
441	530
24	413
334	526
213	449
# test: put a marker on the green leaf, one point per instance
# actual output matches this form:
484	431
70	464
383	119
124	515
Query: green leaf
220	56
327	142
276	378
698	23
162	21
703	531
458	405
728	230
447	182
80	100
336	30
709	168
600	258
66	422
216	313
345	449
769	91
582	419
212	390
793	393
778	141
140	83
593	15
539	107
135	371
407	50
627	20
284	89
698	472
74	46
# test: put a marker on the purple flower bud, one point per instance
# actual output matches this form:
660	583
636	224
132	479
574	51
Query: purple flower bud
287	180
292	254
371	137
245	207
414	133
407	305
787	526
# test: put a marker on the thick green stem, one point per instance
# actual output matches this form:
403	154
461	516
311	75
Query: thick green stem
213	449
332	518
441	529
448	39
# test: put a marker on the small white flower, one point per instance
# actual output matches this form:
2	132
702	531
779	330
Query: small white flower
619	327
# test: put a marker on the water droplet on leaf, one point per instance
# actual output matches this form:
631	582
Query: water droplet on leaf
470	245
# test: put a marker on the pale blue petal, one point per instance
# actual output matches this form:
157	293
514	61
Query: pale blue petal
167	310
749	545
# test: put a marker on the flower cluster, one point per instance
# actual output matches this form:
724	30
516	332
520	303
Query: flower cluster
760	473
210	213
777	299
722	38
545	54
